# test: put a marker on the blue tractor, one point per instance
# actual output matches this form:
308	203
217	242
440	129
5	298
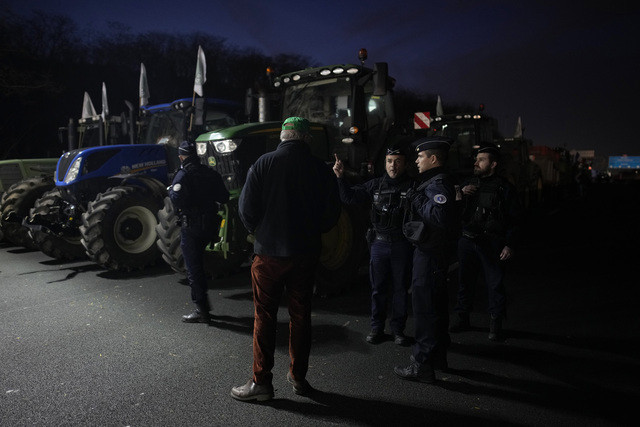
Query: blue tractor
107	198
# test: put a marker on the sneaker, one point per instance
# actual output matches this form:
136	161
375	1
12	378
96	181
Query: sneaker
302	388
375	336
253	391
420	372
460	322
400	339
197	316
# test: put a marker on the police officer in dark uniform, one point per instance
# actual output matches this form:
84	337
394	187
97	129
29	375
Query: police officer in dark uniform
433	205
490	223
390	262
196	192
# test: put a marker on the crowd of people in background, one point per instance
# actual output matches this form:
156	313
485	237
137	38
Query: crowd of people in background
418	226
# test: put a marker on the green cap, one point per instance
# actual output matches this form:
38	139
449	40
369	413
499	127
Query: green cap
296	123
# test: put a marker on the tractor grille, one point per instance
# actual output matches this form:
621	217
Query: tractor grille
64	163
228	167
9	175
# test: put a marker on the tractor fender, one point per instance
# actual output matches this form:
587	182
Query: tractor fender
155	186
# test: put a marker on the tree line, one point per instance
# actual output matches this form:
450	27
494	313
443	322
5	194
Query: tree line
46	65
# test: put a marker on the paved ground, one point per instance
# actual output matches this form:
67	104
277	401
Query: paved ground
83	346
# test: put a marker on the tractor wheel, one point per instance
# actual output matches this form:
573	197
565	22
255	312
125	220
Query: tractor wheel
58	247
343	251
169	237
215	264
16	203
119	228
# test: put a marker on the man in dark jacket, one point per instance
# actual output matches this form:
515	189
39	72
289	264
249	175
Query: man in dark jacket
434	203
196	192
289	199
490	224
390	262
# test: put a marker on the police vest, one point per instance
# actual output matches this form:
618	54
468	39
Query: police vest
487	210
386	210
201	181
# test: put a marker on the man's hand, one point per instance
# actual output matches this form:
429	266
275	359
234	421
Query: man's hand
506	253
468	190
338	167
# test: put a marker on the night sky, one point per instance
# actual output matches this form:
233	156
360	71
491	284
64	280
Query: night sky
570	69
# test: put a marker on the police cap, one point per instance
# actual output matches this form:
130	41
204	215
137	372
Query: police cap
396	150
488	147
186	149
433	143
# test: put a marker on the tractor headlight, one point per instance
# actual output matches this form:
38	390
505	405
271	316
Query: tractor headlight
226	145
74	170
201	148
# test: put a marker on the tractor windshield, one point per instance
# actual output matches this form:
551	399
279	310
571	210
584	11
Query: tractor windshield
324	101
467	135
330	102
168	127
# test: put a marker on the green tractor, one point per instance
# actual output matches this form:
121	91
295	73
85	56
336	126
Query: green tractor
351	110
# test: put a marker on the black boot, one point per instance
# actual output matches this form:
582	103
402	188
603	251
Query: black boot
439	358
199	315
495	328
460	322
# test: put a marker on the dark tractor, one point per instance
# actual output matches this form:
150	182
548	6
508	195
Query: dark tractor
107	198
352	114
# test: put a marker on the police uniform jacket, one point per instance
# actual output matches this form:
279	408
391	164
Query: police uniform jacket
289	199
493	211
436	205
197	189
386	195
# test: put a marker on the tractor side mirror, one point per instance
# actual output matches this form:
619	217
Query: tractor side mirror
198	119
380	78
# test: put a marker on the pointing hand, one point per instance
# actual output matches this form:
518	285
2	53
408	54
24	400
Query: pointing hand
338	167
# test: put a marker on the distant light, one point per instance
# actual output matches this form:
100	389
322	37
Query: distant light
325	72
296	77
286	80
338	70
352	70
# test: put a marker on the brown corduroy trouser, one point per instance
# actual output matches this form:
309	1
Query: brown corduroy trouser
270	276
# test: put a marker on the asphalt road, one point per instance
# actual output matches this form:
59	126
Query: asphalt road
83	346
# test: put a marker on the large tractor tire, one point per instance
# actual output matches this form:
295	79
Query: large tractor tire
119	228
215	263
58	247
16	203
169	237
344	249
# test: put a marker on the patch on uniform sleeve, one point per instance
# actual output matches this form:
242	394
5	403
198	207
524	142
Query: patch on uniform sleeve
176	187
440	199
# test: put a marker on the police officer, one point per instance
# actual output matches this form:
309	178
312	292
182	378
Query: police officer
390	262
490	222
434	204
196	192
